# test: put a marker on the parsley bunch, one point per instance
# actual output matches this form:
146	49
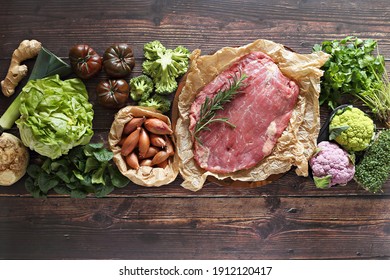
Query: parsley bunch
85	169
351	69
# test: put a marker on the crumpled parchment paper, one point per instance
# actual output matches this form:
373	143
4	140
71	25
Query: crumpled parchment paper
296	144
145	176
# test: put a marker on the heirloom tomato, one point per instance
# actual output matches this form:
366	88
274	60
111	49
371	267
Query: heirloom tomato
113	93
85	61
118	60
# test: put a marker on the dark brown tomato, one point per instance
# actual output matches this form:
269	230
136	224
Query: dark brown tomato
85	61
118	60
112	93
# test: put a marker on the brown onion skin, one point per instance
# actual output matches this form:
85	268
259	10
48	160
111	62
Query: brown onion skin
131	142
113	93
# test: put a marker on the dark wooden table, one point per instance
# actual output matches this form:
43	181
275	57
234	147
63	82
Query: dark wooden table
288	219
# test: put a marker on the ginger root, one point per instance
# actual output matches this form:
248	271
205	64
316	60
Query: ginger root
16	72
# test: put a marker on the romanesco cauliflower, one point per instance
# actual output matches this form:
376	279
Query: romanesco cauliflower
352	129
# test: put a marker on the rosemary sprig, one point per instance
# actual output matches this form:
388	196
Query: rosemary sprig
210	107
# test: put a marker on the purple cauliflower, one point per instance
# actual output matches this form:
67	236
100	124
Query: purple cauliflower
331	165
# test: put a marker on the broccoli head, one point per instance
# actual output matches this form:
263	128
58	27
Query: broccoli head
158	102
352	129
331	165
164	66
141	87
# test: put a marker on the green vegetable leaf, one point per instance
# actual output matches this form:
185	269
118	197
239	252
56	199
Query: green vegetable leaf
91	164
104	191
34	170
99	145
46	182
73	185
97	176
336	131
322	182
64	175
62	190
78	194
32	188
351	70
79	175
48	64
103	155
85	169
117	179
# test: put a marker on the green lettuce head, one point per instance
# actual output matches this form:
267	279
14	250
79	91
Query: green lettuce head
55	115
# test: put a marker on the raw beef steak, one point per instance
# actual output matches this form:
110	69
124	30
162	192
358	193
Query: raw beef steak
260	112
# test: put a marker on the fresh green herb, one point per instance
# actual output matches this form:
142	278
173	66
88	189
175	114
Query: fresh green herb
351	69
86	169
210	106
374	169
377	98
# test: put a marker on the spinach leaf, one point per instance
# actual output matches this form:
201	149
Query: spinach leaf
86	169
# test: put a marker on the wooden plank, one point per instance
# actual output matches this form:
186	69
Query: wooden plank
196	24
195	228
288	219
289	185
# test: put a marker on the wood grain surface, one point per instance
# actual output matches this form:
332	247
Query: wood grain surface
287	219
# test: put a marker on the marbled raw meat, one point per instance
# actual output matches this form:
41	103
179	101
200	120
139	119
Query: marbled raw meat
260	112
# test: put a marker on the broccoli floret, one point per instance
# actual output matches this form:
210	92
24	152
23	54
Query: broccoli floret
164	66
158	102
153	49
373	170
181	55
141	87
352	129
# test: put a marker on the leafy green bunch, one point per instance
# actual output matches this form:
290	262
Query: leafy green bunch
351	69
85	169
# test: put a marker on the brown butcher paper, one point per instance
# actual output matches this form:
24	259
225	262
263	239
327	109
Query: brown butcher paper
145	176
296	144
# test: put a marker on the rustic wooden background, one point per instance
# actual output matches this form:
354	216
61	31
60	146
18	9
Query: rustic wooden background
288	219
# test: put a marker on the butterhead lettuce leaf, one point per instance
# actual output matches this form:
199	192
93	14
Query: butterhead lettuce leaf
55	115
